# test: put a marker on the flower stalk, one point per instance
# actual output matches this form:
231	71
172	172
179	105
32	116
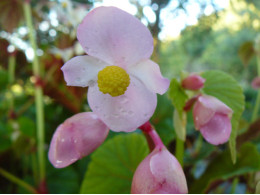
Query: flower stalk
38	93
179	152
148	129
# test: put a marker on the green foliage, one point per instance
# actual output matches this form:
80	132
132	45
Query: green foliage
27	126
246	52
177	95
3	79
5	142
222	168
62	181
226	89
162	119
113	165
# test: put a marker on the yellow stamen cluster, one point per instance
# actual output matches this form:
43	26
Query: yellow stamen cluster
113	80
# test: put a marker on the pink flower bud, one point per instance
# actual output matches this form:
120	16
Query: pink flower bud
158	173
256	83
193	82
213	118
77	137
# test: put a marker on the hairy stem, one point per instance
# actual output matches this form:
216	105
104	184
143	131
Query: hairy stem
153	135
38	93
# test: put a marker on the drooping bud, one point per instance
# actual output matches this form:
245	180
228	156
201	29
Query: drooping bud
256	83
158	173
213	118
77	137
193	82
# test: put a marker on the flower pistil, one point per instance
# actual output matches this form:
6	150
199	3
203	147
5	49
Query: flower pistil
113	80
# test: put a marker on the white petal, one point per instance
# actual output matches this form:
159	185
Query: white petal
126	112
115	36
149	73
82	70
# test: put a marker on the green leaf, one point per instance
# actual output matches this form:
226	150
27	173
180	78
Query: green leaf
223	168
162	119
180	124
246	52
177	95
226	89
113	165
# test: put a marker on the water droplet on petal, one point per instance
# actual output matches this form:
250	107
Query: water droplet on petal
124	100
116	115
91	83
130	113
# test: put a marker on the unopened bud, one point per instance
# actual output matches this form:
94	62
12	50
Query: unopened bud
193	82
159	173
77	137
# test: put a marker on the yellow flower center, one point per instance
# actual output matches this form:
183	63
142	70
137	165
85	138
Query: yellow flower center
113	80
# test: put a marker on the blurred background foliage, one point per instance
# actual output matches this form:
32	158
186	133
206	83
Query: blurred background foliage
222	38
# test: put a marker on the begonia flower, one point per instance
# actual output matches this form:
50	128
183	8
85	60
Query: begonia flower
193	82
77	137
256	83
122	81
213	118
159	173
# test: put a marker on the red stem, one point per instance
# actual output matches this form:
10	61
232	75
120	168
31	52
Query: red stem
147	128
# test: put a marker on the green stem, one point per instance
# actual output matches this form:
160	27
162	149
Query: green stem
38	93
179	150
234	185
17	181
257	103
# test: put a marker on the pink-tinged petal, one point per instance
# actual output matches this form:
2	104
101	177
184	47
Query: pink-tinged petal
256	83
159	172
149	73
205	108
82	70
201	114
193	82
126	112
217	130
77	137
215	104
115	36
